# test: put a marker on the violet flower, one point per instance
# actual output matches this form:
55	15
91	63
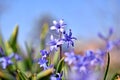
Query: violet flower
59	26
43	63
109	43
54	43
70	58
68	38
6	61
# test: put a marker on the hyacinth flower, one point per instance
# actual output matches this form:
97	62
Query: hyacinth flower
43	63
6	61
59	26
57	76
55	43
44	53
68	38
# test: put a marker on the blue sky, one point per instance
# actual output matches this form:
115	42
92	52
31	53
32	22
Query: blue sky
84	17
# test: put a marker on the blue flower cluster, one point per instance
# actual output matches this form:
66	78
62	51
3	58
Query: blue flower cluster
82	64
56	44
86	64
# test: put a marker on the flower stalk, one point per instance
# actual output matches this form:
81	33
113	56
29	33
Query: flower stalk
108	64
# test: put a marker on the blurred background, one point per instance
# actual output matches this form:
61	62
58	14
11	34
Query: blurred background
85	17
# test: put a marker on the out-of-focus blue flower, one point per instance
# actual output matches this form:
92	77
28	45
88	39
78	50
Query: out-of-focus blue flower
106	38
109	43
59	26
57	76
5	61
70	57
44	53
17	57
68	38
54	43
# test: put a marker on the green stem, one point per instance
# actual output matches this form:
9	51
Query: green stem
60	47
108	64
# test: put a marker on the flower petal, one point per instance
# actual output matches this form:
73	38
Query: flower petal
52	27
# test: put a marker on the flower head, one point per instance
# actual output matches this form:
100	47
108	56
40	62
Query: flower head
44	53
5	61
68	38
17	57
70	57
43	63
59	26
54	43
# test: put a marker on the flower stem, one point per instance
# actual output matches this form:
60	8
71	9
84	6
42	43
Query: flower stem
108	64
60	47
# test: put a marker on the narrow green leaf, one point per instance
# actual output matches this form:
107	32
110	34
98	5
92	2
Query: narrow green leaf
34	77
44	73
21	75
43	35
13	38
60	65
6	75
44	31
8	49
56	58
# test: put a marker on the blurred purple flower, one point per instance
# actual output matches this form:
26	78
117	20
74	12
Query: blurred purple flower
106	38
5	61
70	57
17	57
57	76
59	26
54	43
68	38
109	43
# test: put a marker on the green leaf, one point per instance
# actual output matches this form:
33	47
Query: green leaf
60	65
34	77
13	38
44	31
56	58
2	42
45	73
43	35
6	75
8	49
21	75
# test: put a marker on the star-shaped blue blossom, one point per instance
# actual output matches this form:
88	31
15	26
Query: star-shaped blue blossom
59	26
43	63
44	53
68	38
6	61
55	43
